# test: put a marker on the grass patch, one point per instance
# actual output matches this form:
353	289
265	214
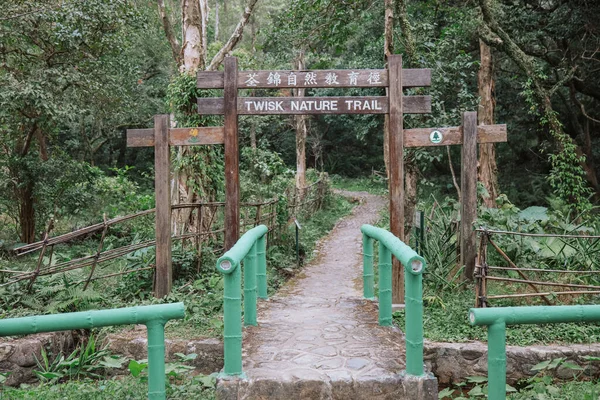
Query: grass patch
373	184
122	388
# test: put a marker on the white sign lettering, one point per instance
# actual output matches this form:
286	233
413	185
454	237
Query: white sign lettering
310	78
360	105
269	105
374	77
274	79
292	79
314	105
252	81
353	76
331	79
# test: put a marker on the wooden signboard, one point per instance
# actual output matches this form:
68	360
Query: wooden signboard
340	78
314	105
468	135
395	104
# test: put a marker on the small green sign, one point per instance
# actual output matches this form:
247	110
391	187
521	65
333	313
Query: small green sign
436	137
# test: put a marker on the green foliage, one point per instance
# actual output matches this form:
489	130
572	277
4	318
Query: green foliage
84	362
539	387
198	387
445	320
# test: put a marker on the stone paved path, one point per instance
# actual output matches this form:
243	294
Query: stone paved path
318	338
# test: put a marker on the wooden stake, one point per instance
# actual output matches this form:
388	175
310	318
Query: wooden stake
396	157
232	179
164	272
468	182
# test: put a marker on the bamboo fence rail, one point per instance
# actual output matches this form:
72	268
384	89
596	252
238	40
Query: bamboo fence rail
253	214
483	271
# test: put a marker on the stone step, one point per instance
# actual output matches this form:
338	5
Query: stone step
304	386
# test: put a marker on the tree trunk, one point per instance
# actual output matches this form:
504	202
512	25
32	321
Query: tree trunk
488	169
301	134
388	48
568	171
410	197
26	213
216	20
194	54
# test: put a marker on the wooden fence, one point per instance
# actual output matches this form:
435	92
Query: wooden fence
549	285
208	228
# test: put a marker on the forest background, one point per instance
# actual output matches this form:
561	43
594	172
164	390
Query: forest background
75	75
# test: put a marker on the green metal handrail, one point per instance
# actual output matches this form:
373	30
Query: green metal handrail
251	249
414	265
496	320
154	317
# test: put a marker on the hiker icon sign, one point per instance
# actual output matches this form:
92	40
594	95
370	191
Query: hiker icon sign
436	137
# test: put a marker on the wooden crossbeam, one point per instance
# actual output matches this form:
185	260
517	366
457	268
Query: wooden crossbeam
314	105
177	136
339	78
420	137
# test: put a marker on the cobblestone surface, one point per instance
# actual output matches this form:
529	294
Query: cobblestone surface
318	339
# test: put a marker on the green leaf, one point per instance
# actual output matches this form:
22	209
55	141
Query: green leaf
476	391
446	392
477	379
188	357
534	213
541	366
113	362
572	366
136	368
555	362
510	389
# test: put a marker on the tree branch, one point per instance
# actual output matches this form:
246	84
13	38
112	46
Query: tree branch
236	36
168	27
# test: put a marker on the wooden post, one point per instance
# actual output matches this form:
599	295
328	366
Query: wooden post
164	273
232	179
396	157
468	182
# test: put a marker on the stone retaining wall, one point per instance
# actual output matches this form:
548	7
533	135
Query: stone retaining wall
18	356
453	362
449	362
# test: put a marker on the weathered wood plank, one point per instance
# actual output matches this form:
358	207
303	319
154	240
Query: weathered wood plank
468	183
163	281
396	166
232	177
340	78
314	105
177	136
419	137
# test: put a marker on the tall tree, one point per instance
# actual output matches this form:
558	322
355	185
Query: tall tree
56	60
192	180
488	169
567	176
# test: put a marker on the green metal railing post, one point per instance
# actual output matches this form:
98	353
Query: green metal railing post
229	265
414	266
498	318
154	317
413	298
497	361
385	286
156	359
261	266
368	275
250	287
232	325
